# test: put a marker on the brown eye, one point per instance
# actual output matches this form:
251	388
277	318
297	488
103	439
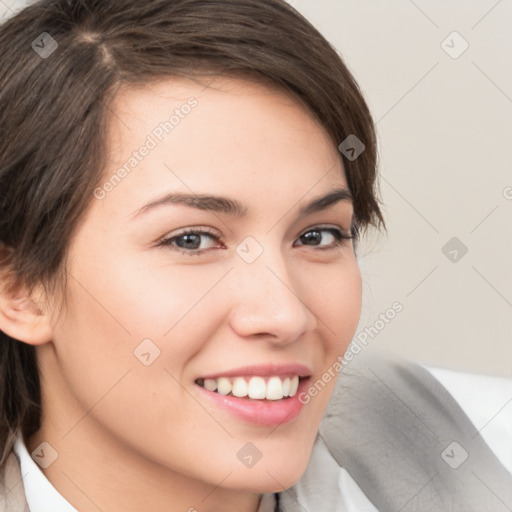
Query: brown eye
314	237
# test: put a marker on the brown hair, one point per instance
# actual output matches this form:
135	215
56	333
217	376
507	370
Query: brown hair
54	109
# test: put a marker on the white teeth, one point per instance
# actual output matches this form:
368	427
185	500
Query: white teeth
274	389
257	388
223	386
210	384
239	387
294	384
286	386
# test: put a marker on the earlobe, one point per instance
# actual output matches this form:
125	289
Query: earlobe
22	319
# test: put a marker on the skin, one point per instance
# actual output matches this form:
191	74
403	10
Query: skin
133	437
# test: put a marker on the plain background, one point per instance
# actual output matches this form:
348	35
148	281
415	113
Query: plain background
445	134
444	121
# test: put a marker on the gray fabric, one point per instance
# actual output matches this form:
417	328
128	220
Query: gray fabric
325	486
392	425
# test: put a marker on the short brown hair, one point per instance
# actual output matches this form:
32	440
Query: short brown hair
53	112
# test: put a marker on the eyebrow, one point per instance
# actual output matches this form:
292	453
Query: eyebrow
234	208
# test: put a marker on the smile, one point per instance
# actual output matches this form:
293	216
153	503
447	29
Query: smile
256	387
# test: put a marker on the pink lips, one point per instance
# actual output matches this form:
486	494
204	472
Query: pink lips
260	412
280	370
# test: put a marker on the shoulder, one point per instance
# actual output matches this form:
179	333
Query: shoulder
390	384
406	441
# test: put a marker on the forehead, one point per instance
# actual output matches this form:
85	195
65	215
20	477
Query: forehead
210	136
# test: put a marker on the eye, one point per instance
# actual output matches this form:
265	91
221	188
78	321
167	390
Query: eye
325	237
191	241
195	241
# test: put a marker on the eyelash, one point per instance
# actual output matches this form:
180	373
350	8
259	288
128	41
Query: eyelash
341	237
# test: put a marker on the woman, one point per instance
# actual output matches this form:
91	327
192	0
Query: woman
183	185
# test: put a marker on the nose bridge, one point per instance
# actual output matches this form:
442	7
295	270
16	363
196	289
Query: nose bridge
266	298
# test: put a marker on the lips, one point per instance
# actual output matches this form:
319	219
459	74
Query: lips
261	395
263	370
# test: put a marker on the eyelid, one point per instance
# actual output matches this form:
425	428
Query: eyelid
191	230
324	226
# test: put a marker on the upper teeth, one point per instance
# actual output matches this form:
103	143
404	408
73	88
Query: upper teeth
274	388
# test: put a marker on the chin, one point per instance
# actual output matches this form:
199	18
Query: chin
265	483
275	475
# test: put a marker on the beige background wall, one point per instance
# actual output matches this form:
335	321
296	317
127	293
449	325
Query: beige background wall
445	128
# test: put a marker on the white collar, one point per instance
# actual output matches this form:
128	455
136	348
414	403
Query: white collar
40	494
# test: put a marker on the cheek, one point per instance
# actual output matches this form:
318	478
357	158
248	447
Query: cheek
145	295
122	316
347	309
335	296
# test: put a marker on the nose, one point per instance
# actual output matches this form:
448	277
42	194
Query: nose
268	301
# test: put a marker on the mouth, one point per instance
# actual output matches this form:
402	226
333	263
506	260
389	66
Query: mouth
264	395
255	387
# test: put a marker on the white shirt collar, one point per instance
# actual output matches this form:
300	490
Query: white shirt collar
40	494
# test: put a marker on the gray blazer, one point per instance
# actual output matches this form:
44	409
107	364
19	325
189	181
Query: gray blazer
399	434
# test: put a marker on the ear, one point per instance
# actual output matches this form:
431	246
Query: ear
22	318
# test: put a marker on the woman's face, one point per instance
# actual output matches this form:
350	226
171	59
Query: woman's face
261	286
